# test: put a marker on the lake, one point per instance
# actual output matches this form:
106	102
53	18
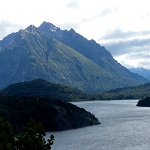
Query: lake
123	127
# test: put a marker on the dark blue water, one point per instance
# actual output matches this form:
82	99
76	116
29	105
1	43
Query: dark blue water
124	127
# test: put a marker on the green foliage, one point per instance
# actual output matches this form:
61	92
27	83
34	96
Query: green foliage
31	138
43	88
6	135
53	114
136	92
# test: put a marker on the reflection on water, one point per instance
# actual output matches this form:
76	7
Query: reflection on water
124	127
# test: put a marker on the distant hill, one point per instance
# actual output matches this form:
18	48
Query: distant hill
135	92
43	88
61	56
141	71
55	115
145	102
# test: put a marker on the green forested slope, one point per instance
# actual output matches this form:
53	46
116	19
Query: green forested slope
54	114
43	88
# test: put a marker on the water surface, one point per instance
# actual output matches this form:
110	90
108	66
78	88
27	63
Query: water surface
124	127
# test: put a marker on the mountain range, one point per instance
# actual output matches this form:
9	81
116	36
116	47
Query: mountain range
141	71
61	56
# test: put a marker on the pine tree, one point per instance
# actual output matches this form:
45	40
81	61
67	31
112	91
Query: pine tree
31	138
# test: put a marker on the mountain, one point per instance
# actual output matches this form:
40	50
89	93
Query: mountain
91	50
43	88
61	56
141	71
135	92
55	115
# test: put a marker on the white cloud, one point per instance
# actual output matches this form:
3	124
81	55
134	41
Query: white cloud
73	5
134	53
122	25
120	35
98	16
134	60
7	28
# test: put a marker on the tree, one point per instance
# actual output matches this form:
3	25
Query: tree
31	138
6	135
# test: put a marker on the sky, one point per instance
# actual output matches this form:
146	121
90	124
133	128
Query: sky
122	26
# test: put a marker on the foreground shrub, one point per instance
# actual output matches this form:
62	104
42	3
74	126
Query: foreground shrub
31	138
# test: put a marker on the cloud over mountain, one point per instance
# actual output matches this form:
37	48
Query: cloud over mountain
118	21
129	48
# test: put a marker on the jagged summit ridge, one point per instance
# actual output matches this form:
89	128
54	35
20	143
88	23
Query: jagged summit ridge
31	29
48	27
61	56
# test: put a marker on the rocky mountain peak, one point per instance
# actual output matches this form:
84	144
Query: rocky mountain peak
72	30
46	26
31	29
